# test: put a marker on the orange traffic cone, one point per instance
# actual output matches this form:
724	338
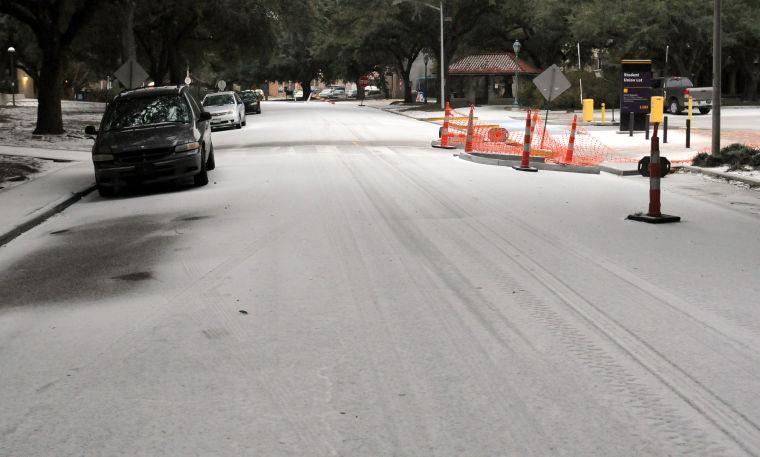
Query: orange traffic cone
525	163
470	131
443	143
571	142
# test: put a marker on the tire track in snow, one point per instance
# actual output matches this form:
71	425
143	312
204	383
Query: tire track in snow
723	416
469	350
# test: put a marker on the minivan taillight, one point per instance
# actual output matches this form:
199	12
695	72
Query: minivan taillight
686	92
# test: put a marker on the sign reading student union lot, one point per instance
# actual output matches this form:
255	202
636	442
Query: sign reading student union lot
636	86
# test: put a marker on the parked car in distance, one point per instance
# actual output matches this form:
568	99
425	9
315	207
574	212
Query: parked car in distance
338	93
326	92
298	94
371	90
251	101
152	135
226	108
351	93
676	91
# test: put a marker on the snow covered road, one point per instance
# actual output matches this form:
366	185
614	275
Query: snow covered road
342	289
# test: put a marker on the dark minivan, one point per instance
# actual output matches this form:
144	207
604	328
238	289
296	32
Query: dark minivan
152	135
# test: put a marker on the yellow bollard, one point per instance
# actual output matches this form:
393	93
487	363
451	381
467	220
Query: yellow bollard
691	106
588	110
656	114
603	106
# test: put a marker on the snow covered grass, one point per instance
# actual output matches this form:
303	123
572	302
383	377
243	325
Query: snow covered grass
17	124
16	169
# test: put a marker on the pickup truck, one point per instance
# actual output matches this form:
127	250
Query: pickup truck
676	90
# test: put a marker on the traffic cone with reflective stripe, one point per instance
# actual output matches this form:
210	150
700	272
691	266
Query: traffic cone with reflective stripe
533	124
443	143
470	131
654	216
571	141
525	163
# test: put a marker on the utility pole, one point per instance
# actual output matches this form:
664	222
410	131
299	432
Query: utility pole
442	95
716	78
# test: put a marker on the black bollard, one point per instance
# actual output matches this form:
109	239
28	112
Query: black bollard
688	133
646	126
665	130
630	124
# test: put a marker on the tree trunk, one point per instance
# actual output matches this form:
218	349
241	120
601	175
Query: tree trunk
49	118
128	44
406	71
176	75
752	76
403	73
732	81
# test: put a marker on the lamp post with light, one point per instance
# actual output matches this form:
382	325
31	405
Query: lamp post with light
12	52
517	46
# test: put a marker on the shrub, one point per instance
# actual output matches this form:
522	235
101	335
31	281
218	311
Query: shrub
737	156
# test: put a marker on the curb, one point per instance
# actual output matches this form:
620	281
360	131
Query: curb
619	171
42	214
400	113
751	182
538	165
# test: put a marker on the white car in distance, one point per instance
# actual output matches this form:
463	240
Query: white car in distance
227	109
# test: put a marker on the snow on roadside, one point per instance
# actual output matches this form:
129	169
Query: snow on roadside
17	124
747	173
16	170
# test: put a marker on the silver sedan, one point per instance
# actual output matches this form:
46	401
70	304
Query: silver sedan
227	109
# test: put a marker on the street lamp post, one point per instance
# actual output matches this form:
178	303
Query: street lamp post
516	46
427	59
441	63
12	52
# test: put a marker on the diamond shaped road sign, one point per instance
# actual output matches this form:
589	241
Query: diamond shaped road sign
551	83
131	74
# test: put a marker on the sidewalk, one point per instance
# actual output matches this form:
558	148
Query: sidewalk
29	204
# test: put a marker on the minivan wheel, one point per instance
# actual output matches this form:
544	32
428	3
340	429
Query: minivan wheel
239	124
245	121
211	163
201	179
704	110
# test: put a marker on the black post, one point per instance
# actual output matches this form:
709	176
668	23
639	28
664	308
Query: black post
688	133
665	130
630	124
646	126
